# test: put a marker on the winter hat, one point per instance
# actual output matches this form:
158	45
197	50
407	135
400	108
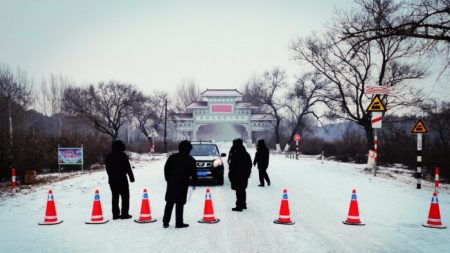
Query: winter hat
261	143
184	147
118	146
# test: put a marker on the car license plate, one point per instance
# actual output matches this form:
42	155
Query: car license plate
202	173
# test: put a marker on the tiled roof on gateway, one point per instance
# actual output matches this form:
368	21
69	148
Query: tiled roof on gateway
183	116
262	116
242	104
221	93
198	104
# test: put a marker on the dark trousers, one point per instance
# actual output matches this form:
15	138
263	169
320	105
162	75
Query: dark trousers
123	192
241	198
263	175
178	212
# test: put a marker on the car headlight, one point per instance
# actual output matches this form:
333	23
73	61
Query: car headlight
217	163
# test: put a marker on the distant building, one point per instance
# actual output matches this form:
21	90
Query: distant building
221	115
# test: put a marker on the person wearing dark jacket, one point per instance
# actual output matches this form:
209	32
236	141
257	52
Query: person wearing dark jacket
177	171
118	167
232	149
262	159
239	171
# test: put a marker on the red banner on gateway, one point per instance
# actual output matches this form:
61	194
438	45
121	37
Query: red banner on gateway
221	108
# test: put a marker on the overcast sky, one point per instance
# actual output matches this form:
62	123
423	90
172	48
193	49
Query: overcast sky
157	44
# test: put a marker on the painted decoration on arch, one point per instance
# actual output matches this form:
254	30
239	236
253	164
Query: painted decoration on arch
222	108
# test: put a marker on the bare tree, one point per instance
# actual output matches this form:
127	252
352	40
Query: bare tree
150	113
187	92
51	101
52	92
107	105
264	92
424	20
309	91
14	91
439	116
349	70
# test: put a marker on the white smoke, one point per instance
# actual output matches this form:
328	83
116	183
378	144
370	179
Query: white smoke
222	132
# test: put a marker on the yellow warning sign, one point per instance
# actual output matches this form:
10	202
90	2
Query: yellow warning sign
419	128
376	105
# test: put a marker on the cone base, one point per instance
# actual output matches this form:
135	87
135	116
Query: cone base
434	226
284	223
353	223
145	221
50	223
96	222
209	222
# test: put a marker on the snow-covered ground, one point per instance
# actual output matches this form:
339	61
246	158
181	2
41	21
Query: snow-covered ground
319	196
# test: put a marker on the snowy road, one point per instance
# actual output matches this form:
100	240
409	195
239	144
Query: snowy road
319	196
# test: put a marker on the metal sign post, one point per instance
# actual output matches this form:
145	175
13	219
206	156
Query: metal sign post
419	129
376	108
436	179
13	180
82	163
419	161
297	138
375	150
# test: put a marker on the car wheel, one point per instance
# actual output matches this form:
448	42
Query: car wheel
220	180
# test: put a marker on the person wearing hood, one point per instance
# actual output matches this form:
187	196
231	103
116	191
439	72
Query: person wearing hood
179	168
262	159
118	167
240	166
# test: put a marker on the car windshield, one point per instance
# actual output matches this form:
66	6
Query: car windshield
204	150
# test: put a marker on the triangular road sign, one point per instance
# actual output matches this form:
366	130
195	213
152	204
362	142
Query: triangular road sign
419	128
376	105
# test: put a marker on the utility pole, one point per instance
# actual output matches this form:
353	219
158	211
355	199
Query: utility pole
165	127
10	130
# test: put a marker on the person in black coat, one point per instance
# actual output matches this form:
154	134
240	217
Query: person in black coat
240	168
232	149
179	168
262	159
118	167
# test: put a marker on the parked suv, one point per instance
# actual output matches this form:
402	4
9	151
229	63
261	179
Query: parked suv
209	165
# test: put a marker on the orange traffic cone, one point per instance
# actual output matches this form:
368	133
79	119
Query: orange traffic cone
208	212
284	216
50	212
146	216
434	216
353	212
97	214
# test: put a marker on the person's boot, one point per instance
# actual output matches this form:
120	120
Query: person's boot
182	225
237	209
261	185
125	216
165	225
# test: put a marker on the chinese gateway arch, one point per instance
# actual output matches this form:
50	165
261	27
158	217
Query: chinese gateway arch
221	115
